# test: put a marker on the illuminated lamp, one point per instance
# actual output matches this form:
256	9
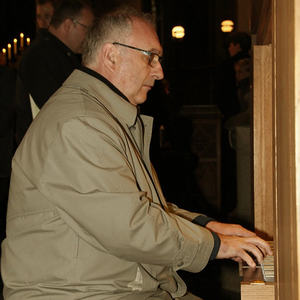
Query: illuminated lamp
227	26
178	32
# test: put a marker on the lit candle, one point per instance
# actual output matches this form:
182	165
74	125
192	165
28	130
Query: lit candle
22	40
9	52
28	41
4	56
15	47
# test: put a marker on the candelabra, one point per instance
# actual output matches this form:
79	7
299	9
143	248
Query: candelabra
13	51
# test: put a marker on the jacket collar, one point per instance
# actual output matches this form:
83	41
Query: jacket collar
44	34
105	92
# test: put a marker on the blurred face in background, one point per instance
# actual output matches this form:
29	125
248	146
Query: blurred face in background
44	13
234	49
78	30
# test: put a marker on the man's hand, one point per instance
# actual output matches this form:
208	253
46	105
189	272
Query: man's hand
239	248
238	243
229	229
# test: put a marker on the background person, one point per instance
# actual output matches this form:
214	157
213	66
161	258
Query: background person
50	59
44	13
233	97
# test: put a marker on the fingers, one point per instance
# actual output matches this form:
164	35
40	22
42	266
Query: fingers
241	231
229	229
248	259
262	245
244	248
254	251
237	259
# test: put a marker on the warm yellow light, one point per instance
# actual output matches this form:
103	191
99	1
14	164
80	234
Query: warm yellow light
4	51
178	32
9	51
15	47
22	40
28	41
227	26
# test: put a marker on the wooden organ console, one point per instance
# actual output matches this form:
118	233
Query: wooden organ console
259	283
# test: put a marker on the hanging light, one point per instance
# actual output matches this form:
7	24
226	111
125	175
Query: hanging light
227	25
178	32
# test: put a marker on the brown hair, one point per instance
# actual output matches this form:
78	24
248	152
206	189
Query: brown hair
68	9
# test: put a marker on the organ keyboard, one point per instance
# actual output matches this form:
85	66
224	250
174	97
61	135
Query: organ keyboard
258	283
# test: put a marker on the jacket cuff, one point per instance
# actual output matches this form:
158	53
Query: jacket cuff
217	244
202	220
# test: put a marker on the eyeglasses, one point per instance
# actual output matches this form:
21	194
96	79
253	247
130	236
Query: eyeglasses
83	25
154	58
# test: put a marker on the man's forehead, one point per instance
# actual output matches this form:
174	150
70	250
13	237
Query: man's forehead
143	32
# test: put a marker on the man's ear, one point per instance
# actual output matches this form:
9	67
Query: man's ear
110	56
66	25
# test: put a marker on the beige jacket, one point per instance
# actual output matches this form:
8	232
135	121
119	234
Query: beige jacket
86	215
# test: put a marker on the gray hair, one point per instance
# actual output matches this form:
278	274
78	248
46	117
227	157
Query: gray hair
113	26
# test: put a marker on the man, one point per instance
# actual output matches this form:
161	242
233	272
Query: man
87	218
239	48
44	13
50	59
234	99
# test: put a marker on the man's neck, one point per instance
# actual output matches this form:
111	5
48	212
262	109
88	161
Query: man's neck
59	34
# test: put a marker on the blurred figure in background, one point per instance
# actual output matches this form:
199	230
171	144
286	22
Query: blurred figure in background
44	13
239	46
233	97
50	59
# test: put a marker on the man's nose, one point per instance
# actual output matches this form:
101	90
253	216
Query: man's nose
157	71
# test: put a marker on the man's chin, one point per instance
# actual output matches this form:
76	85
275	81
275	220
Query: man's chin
140	99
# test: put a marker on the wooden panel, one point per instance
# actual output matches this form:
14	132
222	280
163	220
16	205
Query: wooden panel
263	141
287	93
244	15
257	291
261	21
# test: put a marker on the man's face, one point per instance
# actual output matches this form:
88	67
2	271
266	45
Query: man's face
137	76
44	13
234	49
79	30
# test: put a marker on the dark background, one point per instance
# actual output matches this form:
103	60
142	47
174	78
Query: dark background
189	64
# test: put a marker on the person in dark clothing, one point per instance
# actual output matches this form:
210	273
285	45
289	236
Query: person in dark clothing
7	147
233	98
50	59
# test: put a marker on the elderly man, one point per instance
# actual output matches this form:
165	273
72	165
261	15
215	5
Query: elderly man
50	59
87	218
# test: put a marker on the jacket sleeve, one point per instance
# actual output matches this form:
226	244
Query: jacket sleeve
93	186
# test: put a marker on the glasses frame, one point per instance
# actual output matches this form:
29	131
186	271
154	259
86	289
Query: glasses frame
151	55
81	24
